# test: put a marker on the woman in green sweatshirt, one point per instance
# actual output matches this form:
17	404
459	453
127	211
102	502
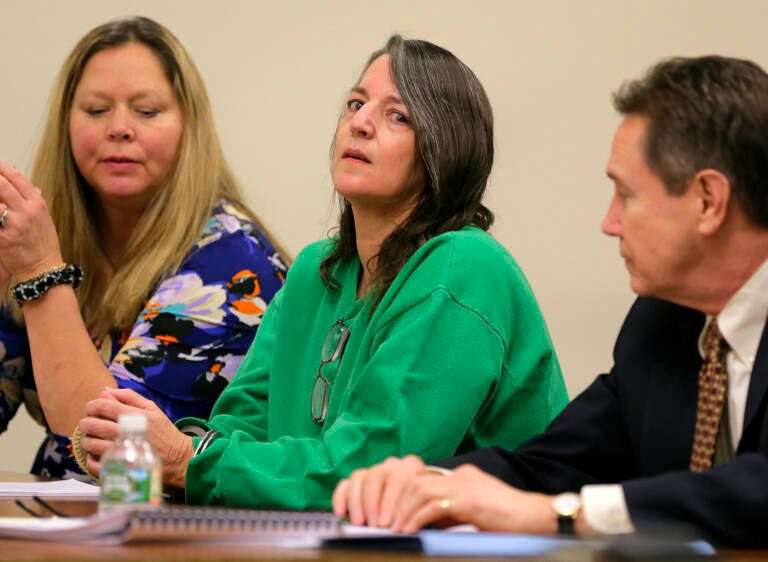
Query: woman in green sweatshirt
410	331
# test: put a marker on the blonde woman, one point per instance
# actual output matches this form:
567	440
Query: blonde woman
130	256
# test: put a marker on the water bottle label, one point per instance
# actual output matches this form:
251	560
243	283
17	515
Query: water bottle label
130	486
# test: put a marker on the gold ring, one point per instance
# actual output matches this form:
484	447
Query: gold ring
445	505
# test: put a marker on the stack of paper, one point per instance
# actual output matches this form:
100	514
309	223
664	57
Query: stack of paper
60	489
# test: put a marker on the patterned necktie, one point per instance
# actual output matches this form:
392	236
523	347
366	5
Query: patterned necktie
713	380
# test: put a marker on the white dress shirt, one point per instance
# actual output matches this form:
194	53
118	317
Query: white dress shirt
741	323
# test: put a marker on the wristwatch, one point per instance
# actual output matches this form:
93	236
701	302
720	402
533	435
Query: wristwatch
567	507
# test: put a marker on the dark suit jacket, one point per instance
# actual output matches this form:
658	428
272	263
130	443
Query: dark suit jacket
635	427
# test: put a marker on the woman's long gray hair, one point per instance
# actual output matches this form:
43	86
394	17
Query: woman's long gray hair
453	123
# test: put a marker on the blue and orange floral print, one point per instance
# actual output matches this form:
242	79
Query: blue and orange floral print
187	342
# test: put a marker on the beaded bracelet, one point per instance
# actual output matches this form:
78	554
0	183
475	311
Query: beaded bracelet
34	288
79	453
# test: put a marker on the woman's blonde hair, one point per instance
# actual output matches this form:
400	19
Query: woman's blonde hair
172	222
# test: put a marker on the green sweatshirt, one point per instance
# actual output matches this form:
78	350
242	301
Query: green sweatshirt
456	356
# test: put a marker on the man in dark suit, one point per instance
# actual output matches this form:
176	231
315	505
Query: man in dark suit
677	433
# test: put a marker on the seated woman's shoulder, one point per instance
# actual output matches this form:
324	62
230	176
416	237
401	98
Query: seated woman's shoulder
227	222
474	247
226	218
315	252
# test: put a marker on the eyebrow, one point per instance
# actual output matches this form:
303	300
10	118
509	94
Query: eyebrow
137	95
392	98
616	179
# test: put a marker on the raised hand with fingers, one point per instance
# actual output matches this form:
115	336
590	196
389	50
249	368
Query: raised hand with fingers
28	240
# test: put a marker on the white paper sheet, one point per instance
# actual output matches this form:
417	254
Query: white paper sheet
60	489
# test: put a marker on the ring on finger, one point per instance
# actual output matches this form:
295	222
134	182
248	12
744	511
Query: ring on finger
445	505
3	215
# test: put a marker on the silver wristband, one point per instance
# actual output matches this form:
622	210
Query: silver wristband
206	440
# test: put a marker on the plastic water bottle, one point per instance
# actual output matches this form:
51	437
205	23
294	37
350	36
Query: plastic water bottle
131	471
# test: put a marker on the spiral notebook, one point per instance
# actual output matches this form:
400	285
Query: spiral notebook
287	528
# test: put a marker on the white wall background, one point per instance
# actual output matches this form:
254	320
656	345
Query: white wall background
277	73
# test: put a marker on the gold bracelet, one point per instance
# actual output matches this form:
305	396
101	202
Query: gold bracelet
80	455
43	273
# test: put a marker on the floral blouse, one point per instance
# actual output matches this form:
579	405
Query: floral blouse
186	344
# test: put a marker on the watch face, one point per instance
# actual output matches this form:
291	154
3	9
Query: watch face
567	505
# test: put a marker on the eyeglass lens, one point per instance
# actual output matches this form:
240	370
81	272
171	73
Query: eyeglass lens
333	347
334	342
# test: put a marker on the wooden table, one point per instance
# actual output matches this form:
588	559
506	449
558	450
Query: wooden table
16	550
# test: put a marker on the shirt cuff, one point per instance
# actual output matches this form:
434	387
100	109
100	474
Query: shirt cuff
605	509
